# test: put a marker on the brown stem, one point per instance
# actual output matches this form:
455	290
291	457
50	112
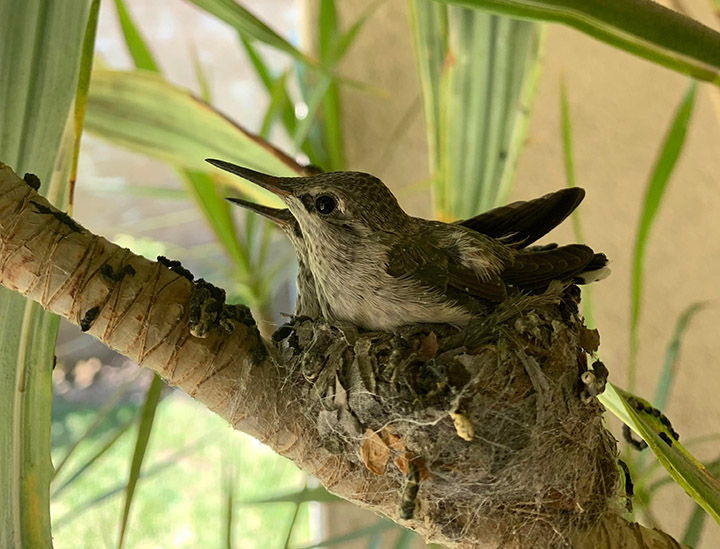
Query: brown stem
474	439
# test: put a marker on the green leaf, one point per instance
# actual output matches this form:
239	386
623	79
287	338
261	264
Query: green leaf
141	55
229	500
694	527
667	157
405	539
478	75
143	112
319	494
640	27
145	425
667	374
249	26
371	530
100	416
202	187
566	132
40	58
119	431
211	200
688	472
81	509
86	63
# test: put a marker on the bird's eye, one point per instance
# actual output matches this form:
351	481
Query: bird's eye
325	204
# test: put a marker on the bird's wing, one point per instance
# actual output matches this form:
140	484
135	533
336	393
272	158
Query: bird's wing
429	261
522	223
534	270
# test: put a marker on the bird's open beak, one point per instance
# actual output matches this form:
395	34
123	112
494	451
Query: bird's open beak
281	217
277	185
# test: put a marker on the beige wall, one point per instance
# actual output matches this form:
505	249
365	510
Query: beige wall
621	107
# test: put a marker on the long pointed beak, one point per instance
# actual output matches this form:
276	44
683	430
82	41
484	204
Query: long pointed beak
276	185
281	217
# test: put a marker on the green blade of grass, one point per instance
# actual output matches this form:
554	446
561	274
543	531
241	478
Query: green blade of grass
404	540
688	472
323	94
640	27
694	527
318	494
566	133
667	374
277	106
100	416
119	431
143	112
249	26
40	58
478	74
146	419
142	57
202	187
82	509
229	503
200	76
86	63
429	26
379	526
667	157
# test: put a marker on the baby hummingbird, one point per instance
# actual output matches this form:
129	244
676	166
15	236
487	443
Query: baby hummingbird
379	268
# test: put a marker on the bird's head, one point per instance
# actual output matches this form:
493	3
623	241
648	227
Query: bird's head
345	205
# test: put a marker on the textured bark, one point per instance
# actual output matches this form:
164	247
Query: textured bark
480	437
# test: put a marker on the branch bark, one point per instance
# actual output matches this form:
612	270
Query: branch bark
473	438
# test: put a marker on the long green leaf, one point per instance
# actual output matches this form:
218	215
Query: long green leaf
40	57
566	132
249	26
640	27
202	187
143	112
478	74
667	374
145	425
141	55
688	472
159	467
300	496
229	502
86	64
694	527
119	431
667	157
379	526
100	416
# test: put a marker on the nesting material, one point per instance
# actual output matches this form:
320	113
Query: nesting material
489	428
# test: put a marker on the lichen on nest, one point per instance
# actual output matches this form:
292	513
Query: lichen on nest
487	425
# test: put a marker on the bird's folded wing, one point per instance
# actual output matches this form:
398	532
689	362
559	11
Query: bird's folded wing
522	223
437	269
535	270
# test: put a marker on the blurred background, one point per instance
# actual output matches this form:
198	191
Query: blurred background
200	484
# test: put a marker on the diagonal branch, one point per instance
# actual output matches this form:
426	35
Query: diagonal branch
473	438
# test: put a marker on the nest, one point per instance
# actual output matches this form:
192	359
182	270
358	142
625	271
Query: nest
487	431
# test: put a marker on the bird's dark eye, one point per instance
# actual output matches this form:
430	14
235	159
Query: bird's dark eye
325	204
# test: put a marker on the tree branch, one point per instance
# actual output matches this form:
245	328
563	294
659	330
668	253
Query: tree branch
473	438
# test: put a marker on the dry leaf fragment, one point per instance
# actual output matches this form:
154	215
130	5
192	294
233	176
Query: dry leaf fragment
374	452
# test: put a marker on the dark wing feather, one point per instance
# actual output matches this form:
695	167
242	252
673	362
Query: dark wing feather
535	270
522	223
438	269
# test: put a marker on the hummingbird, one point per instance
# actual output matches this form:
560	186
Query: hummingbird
379	268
